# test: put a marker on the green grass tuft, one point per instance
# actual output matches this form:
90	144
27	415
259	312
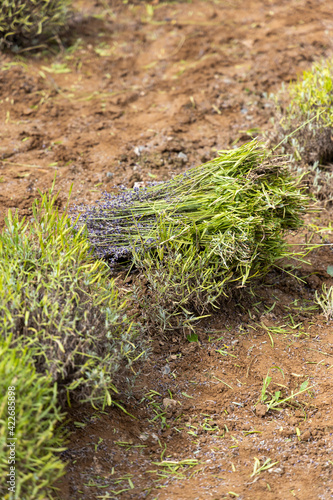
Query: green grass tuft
26	22
325	301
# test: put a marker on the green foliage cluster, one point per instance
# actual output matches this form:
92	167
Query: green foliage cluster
61	304
277	401
309	102
24	22
313	94
34	405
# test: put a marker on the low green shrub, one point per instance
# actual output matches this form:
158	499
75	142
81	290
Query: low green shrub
307	105
29	430
58	301
24	22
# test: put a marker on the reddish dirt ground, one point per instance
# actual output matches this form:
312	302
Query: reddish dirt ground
148	90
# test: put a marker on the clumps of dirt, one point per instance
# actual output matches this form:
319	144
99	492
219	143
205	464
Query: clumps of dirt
211	433
27	86
159	158
199	425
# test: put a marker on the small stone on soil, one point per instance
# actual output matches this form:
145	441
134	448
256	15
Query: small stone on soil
167	402
261	410
166	370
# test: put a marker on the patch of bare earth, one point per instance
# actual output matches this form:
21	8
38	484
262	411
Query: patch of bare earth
149	90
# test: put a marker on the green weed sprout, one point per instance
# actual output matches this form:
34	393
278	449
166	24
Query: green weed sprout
25	22
276	401
257	468
61	303
36	431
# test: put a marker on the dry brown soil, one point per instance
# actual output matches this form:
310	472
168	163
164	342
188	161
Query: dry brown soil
146	91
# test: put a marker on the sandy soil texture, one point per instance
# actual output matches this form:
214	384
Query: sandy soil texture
145	91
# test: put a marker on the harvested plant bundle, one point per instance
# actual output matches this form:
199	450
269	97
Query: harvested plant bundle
233	210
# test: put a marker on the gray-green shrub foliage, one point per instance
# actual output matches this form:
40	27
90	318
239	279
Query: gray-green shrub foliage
304	126
36	429
59	302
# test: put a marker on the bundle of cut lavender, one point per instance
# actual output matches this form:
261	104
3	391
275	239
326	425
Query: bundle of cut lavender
237	207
